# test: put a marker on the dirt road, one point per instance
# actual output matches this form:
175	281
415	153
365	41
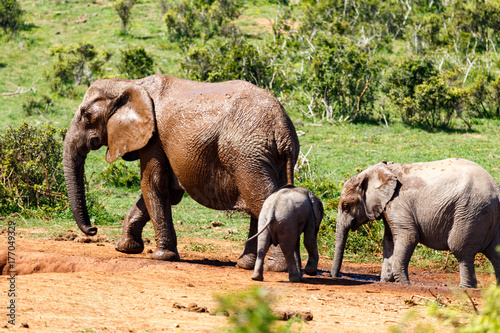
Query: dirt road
72	286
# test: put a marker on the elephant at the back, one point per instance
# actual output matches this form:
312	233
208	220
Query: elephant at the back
229	145
452	204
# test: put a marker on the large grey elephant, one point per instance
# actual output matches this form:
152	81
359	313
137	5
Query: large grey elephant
452	204
229	145
284	216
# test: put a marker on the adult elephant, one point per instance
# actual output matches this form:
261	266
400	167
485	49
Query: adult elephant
229	145
452	204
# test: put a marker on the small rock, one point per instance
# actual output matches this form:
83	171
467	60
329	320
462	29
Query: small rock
25	325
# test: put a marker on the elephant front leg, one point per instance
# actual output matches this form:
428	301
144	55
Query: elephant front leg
131	238
155	190
401	259
388	246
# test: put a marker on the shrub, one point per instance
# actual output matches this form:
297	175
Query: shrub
432	105
135	63
77	64
123	9
39	105
406	76
120	175
423	98
488	319
31	169
200	18
11	16
342	82
235	59
250	311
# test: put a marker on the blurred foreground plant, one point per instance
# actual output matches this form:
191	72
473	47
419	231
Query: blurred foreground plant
250	311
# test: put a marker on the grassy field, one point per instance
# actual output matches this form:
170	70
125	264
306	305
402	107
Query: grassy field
334	151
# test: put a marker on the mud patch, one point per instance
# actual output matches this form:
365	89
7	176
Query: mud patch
35	262
70	235
290	314
192	307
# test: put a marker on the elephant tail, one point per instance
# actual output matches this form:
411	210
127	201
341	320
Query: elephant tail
260	231
289	170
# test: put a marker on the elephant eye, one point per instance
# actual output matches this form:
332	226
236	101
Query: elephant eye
86	115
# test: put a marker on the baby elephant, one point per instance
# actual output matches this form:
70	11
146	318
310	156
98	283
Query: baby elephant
452	205
284	216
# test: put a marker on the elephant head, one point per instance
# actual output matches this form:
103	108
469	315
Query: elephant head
116	113
363	199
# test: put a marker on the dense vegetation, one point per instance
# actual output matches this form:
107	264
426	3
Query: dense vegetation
363	80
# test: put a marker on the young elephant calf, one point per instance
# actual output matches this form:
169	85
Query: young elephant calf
284	216
452	204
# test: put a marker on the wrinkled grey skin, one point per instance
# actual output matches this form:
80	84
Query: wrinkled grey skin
450	205
284	216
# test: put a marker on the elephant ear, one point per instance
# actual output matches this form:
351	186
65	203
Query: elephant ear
378	187
131	123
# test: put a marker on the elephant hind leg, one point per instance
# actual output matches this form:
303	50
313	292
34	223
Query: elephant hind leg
263	243
247	259
292	258
492	253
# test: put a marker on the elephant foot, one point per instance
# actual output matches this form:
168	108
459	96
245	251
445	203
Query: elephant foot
257	277
275	260
166	255
246	261
311	270
387	278
128	245
295	277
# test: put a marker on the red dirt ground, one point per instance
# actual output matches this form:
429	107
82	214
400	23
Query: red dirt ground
72	286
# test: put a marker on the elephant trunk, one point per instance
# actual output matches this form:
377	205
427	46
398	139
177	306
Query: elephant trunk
73	162
340	240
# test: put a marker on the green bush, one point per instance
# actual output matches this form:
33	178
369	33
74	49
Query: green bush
39	105
135	63
31	169
432	105
235	59
407	74
249	311
201	18
488	318
11	16
124	10
423	98
119	174
74	65
342	82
